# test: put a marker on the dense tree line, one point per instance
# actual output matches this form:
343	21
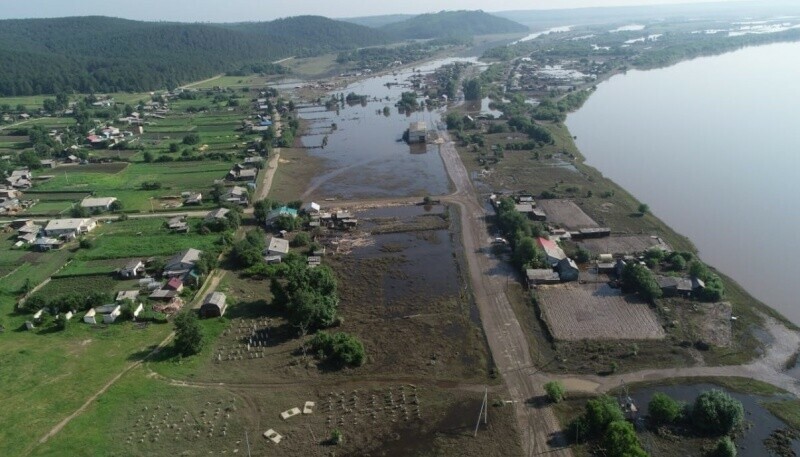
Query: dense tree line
100	54
451	23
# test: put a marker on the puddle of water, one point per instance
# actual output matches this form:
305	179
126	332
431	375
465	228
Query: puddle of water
760	422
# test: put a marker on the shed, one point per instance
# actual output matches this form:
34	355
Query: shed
417	132
132	269
536	277
214	305
567	270
89	316
277	247
553	252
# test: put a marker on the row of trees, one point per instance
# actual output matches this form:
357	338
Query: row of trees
521	233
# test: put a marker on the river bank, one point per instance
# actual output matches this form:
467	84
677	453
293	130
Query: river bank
717	184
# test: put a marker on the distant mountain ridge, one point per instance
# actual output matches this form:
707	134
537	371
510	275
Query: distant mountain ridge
102	54
450	23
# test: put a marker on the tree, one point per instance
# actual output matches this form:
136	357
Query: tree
555	391
301	239
78	212
340	348
191	139
663	409
640	279
643	209
582	255
116	206
715	412
600	412
620	440
147	156
526	254
724	448
188	335
472	89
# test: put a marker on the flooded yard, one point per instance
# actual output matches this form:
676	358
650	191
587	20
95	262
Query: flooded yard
364	152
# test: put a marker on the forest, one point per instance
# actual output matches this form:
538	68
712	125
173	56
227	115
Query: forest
101	54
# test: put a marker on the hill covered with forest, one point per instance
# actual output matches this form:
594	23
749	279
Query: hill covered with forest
102	54
451	23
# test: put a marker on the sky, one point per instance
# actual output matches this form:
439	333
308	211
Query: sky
263	10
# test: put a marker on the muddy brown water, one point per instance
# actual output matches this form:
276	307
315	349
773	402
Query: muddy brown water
759	422
365	156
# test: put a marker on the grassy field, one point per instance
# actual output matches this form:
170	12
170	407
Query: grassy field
142	238
46	376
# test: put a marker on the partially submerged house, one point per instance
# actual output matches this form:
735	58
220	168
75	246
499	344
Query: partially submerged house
214	305
277	213
417	132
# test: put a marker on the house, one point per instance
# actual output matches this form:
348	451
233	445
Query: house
47	244
72	159
98	204
174	284
241	172
311	208
276	249
341	215
132	269
194	198
553	252
9	193
236	195
48	163
29	228
672	286
182	263
217	214
567	270
124	295
27	238
540	276
214	305
59	227
163	295
417	132
178	224
591	232
277	213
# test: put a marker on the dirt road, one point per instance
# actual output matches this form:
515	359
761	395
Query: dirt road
489	276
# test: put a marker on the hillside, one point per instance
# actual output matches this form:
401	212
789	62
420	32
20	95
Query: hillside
378	21
451	23
101	54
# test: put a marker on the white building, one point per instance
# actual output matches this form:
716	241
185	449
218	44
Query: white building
59	227
98	204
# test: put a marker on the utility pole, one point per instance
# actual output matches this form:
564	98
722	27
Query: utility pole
247	439
484	412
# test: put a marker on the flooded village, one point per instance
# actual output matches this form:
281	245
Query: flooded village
401	258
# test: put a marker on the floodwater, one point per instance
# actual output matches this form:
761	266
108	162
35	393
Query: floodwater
759	422
425	267
365	156
711	145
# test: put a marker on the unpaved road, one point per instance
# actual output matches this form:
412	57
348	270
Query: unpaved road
488	276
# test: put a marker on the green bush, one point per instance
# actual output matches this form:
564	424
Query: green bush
620	440
340	348
188	335
301	239
663	409
724	448
600	412
717	413
555	391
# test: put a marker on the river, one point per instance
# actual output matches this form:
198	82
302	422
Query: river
712	145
